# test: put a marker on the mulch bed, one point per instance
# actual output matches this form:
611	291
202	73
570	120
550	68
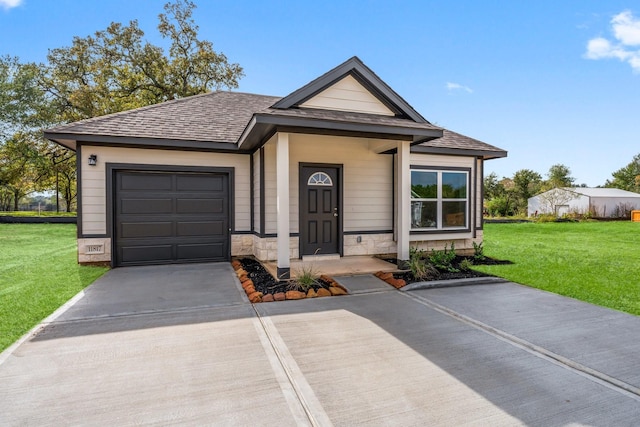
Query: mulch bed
403	278
261	286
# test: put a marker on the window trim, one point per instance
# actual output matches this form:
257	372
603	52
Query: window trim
439	200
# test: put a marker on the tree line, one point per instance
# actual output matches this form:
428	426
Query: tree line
509	196
113	70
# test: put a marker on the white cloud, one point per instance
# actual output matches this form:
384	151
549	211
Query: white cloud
456	86
626	31
8	4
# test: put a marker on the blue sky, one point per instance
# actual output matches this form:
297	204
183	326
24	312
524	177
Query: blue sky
549	81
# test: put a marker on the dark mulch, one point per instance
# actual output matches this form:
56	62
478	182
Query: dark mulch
449	275
264	282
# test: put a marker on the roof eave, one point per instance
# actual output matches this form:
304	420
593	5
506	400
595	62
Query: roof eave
70	139
262	126
484	154
306	122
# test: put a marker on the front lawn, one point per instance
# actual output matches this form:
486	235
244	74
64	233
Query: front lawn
38	273
597	262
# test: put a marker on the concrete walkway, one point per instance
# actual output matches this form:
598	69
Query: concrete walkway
497	354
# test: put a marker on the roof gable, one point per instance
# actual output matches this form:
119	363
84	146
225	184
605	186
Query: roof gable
349	95
365	77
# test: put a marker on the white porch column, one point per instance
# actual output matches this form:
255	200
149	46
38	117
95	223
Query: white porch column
403	191
282	203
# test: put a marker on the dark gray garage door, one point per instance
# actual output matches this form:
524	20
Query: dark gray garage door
165	218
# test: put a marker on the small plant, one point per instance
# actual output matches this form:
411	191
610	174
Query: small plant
443	260
306	278
419	267
478	252
466	264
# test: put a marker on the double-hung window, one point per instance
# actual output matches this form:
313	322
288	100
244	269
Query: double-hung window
439	199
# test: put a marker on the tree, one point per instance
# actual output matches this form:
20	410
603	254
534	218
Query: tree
559	176
22	168
111	71
492	186
116	70
22	102
526	183
628	177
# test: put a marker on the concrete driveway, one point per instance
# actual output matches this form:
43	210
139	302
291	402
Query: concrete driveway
180	345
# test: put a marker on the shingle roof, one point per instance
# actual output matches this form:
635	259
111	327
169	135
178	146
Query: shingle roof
222	116
454	141
214	117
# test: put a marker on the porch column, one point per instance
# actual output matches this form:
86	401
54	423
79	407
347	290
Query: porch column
403	191
282	203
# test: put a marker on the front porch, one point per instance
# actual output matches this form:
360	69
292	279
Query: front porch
352	212
342	266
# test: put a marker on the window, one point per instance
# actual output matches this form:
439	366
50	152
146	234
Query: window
320	178
439	199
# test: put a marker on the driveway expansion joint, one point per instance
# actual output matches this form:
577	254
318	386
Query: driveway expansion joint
304	398
541	352
143	313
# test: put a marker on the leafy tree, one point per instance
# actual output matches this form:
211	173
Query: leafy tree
22	168
500	206
18	95
116	69
111	71
559	176
493	187
628	177
526	183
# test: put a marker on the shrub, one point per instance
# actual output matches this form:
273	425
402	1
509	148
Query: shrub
419	267
305	279
478	252
443	260
500	206
466	264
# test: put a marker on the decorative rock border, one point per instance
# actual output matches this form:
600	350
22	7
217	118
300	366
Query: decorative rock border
388	277
335	288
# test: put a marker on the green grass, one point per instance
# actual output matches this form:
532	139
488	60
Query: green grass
597	262
38	273
36	214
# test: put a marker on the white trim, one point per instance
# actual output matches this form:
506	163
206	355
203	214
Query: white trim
403	191
282	198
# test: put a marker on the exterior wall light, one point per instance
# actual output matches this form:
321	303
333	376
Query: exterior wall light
93	160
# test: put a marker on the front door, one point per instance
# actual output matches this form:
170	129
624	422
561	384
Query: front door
320	211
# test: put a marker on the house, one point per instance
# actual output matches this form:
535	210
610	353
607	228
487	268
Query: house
597	202
341	166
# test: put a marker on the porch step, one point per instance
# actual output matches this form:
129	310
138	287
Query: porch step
323	257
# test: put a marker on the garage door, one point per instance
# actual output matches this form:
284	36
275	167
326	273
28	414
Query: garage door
165	218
